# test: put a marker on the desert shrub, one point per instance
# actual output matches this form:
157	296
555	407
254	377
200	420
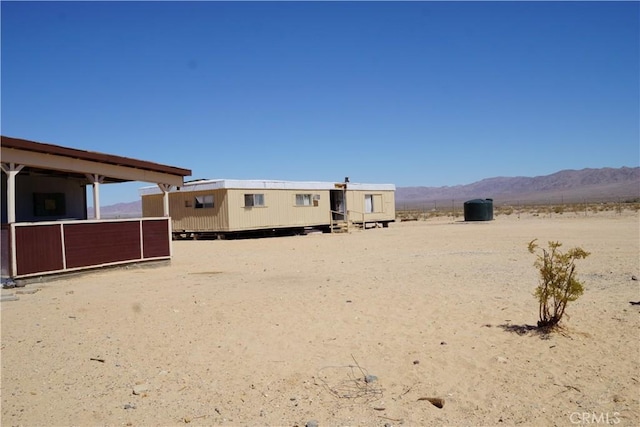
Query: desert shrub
543	210
506	211
579	209
558	281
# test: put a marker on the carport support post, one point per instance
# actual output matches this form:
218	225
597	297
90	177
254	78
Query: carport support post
11	169
95	181
165	197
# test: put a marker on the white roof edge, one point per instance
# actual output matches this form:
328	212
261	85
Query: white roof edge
371	187
255	184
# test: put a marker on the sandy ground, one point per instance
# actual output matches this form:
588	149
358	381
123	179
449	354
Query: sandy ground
282	332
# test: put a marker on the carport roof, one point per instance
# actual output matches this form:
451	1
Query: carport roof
76	158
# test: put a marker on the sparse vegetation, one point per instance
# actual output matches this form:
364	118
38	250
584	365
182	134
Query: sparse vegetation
541	210
558	281
506	211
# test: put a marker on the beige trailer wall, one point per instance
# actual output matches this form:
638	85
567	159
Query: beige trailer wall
279	210
152	206
229	212
188	212
381	204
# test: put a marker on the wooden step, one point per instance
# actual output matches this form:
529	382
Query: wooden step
340	227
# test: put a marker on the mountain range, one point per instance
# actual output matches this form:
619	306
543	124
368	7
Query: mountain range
566	186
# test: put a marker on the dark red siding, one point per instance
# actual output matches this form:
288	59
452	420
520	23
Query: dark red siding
155	238
101	243
5	251
38	248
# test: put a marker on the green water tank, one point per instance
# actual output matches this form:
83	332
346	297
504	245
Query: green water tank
478	210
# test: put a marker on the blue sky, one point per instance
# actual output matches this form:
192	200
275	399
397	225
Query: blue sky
409	93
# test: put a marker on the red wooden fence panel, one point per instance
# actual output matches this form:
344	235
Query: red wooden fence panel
38	248
96	243
156	238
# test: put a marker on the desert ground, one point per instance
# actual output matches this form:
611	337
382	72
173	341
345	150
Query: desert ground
283	332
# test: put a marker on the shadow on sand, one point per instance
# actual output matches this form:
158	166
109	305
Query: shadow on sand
542	333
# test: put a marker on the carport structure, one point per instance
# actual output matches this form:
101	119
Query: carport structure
45	227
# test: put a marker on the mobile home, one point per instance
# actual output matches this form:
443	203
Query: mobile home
226	207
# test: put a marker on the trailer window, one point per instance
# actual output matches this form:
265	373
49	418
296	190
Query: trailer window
368	203
204	201
303	199
372	203
251	200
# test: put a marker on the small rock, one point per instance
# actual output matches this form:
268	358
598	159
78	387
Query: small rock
416	362
436	401
129	406
370	378
443	343
311	423
634	277
7	283
140	388
501	359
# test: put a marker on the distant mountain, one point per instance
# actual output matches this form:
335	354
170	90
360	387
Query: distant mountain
119	210
567	186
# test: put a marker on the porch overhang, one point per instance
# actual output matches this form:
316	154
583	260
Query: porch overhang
49	157
44	240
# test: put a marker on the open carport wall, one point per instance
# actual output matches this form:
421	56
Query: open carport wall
230	208
45	228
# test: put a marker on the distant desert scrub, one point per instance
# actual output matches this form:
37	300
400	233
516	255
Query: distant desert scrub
538	209
504	210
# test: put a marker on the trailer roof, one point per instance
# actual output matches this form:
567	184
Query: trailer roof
254	184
